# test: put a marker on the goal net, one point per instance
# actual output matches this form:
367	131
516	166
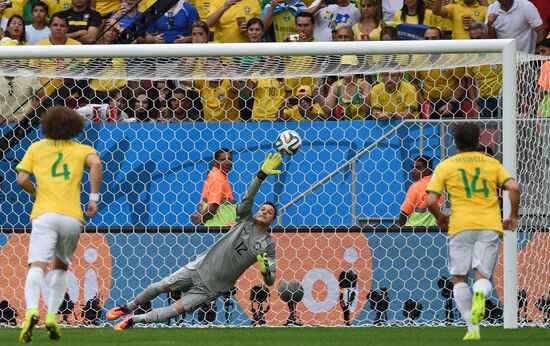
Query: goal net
157	117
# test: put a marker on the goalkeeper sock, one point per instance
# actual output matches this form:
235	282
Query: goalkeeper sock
151	292
157	315
463	299
484	285
33	285
58	287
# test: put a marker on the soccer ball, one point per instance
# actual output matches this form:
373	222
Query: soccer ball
288	142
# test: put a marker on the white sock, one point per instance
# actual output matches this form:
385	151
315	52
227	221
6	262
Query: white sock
484	285
33	285
463	299
58	287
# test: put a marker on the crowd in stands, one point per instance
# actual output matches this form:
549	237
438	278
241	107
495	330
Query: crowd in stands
434	93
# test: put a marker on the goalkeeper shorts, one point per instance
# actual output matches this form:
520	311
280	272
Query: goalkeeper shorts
194	292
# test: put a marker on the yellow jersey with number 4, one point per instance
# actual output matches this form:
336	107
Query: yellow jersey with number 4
58	166
471	179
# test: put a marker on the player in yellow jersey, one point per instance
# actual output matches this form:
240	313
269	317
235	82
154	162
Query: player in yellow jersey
475	225
57	164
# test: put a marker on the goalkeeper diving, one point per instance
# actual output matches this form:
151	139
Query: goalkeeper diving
215	271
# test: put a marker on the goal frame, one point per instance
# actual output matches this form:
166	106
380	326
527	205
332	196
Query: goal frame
506	47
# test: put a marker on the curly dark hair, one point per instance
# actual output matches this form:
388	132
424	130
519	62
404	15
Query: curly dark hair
61	123
466	136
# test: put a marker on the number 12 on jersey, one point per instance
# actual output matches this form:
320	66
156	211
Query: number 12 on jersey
472	186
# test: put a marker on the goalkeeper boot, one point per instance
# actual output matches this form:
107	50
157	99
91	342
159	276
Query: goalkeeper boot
54	332
478	307
125	324
116	313
472	336
31	319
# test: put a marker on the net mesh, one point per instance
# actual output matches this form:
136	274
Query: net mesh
342	256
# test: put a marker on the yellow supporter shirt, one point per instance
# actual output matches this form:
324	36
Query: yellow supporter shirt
296	113
16	8
227	29
402	99
455	12
145	4
106	7
471	178
116	68
58	166
440	84
283	25
268	96
220	103
374	35
203	7
53	65
488	78
414	19
55	6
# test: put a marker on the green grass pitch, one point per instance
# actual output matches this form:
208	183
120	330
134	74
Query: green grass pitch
364	336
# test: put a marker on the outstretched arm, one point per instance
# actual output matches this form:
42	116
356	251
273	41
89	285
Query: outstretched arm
269	167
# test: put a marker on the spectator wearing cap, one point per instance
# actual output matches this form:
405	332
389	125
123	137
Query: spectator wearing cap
228	19
302	107
462	15
487	79
38	30
517	19
348	96
393	98
279	18
329	18
174	26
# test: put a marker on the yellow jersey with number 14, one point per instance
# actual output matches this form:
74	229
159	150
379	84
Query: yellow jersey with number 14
471	178
58	166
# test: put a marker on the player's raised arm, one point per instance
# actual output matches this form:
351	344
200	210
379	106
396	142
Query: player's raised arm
269	167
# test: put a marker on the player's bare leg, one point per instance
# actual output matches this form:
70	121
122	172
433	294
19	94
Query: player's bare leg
463	298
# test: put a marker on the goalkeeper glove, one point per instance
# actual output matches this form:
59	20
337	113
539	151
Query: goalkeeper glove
269	167
265	264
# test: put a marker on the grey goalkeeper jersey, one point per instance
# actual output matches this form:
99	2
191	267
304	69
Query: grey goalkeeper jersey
221	265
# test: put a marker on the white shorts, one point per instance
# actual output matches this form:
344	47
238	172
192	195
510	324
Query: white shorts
194	292
475	249
54	235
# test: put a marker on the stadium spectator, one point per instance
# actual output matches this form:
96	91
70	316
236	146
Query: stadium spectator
305	26
174	26
462	15
393	98
543	109
38	30
8	8
268	96
217	206
228	19
414	211
329	18
18	94
433	33
344	34
444	24
124	16
301	107
390	7
55	6
371	23
279	18
165	93
485	93
254	30
414	12
84	22
543	6
105	7
389	33
180	109
16	29
348	97
199	32
141	106
517	19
